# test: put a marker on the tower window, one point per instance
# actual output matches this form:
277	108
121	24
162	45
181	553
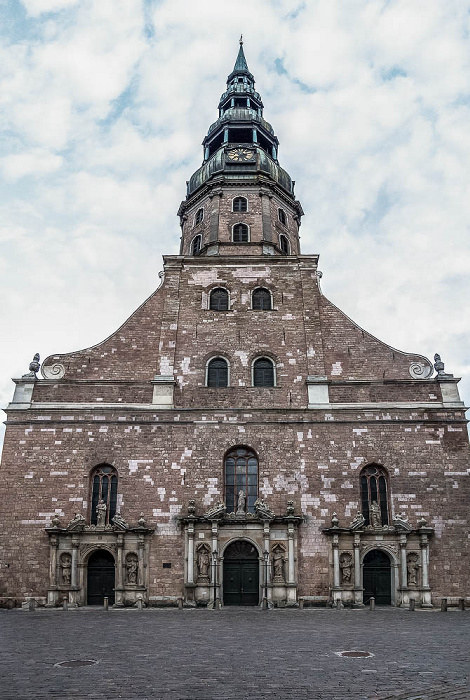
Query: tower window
374	495
240	204
199	216
263	372
261	300
282	216
240	233
219	300
217	373
241	474
103	491
284	244
196	245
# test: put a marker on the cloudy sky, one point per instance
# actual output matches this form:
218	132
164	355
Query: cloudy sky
103	106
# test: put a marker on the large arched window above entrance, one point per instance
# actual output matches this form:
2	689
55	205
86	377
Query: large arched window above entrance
241	475
104	480
240	233
263	372
217	372
374	495
219	299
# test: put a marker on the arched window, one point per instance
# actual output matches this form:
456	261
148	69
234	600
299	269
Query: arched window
217	372
263	372
104	481
240	233
261	300
196	245
282	216
219	300
284	244
240	204
374	495
199	217
241	474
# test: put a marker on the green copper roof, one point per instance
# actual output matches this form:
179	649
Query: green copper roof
240	63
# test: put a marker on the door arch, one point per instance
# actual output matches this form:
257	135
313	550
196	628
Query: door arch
377	577
241	574
100	577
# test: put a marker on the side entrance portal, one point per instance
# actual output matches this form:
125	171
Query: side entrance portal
377	577
241	574
100	578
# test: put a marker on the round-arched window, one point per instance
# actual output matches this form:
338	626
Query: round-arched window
374	495
240	233
196	245
217	372
241	475
199	216
219	300
261	300
263	372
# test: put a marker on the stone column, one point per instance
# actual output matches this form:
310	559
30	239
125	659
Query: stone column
267	548
357	572
190	565
118	602
216	573
425	588
140	555
74	575
404	573
53	563
336	569
290	554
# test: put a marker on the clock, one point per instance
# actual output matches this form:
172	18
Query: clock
239	155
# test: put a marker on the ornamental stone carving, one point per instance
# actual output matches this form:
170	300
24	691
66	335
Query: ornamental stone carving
55	371
358	521
420	370
375	516
278	564
66	568
216	511
345	565
132	568
412	568
33	366
119	522
263	511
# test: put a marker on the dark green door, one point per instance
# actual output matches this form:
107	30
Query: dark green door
377	578
241	574
100	578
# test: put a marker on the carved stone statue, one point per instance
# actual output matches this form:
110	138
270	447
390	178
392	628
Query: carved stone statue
358	521
334	520
345	564
203	563
216	511
263	511
278	565
374	515
401	522
66	568
191	507
101	514
77	522
241	502
141	521
290	508
120	522
55	522
412	568
132	568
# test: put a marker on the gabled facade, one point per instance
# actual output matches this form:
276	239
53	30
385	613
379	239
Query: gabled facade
238	439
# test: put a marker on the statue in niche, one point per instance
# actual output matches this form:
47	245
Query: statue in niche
278	565
203	563
241	502
345	564
412	568
66	568
358	521
101	514
374	515
132	567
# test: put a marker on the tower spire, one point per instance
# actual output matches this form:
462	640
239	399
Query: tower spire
240	63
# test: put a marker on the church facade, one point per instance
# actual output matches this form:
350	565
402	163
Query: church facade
239	440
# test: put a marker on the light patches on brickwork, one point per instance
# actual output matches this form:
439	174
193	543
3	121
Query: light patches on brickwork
58	473
265	488
212	490
134	464
28	475
204	278
161	492
336	369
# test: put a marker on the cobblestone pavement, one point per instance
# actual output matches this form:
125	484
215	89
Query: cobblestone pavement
235	653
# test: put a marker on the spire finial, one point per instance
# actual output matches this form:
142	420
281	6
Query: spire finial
241	40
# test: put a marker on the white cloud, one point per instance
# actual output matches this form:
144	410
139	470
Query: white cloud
105	104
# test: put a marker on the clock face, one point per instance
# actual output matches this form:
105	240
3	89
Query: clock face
240	154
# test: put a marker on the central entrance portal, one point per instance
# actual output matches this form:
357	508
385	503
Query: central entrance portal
100	578
241	574
377	578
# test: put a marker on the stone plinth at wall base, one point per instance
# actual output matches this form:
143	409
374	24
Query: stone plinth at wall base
202	594
163	601
8	603
314	601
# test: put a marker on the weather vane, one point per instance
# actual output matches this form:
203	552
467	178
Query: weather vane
241	39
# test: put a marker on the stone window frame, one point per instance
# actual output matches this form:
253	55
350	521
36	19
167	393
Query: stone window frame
282	216
261	287
111	499
239	196
192	245
199	216
242	223
211	291
208	362
273	362
383	499
283	237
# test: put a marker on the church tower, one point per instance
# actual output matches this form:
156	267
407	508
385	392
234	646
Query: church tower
238	440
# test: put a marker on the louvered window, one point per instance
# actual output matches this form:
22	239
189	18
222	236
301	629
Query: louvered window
240	233
217	373
263	372
219	300
261	300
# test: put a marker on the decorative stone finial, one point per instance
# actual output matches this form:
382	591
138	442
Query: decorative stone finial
34	366
141	521
55	522
290	508
438	365
334	520
192	507
241	40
